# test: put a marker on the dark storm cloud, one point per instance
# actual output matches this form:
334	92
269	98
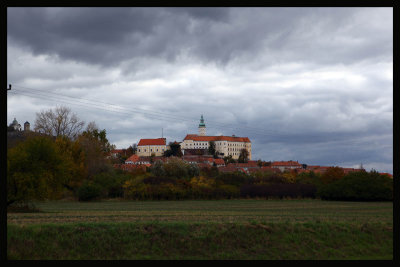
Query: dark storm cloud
93	35
107	36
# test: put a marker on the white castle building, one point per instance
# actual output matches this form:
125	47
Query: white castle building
224	145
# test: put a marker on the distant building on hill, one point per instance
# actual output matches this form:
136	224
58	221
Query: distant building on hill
286	165
15	126
148	147
224	145
27	126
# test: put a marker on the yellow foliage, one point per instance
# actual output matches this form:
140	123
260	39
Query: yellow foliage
290	177
202	182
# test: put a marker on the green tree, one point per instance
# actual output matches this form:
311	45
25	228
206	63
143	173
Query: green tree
359	186
134	148
175	150
332	174
309	178
211	148
158	169
95	146
35	171
243	156
130	151
176	168
228	159
93	132
74	158
89	191
110	182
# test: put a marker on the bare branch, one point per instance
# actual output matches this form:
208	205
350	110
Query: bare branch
60	122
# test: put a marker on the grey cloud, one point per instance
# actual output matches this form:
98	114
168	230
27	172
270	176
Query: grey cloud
107	36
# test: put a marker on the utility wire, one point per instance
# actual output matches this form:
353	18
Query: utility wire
170	118
164	115
51	98
45	97
85	105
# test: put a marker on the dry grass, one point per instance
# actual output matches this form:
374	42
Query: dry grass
225	229
297	211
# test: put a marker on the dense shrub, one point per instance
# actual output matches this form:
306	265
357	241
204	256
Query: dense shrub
158	168
209	171
110	182
309	178
359	186
89	191
176	167
202	187
159	180
36	170
232	178
268	178
278	190
227	191
193	170
332	174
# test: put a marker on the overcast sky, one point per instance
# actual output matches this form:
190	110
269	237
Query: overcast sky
308	84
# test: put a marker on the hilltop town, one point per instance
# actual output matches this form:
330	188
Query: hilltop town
232	153
227	153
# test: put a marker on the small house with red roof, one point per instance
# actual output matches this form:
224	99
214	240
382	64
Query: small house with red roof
148	147
286	165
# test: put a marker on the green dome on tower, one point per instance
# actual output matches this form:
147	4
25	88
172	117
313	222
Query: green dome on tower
202	124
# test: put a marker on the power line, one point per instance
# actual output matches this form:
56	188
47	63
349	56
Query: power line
45	95
51	98
170	118
164	115
85	105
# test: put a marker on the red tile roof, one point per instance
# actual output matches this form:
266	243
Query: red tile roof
347	170
204	165
219	161
385	173
285	163
133	158
152	142
269	169
196	137
312	167
128	167
245	165
227	169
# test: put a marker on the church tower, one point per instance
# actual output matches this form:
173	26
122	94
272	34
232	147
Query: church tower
27	126
202	127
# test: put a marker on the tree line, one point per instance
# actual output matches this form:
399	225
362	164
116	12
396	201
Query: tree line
56	163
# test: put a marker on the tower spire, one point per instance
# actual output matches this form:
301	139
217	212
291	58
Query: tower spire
202	126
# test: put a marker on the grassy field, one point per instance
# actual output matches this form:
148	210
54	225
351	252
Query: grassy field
223	229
